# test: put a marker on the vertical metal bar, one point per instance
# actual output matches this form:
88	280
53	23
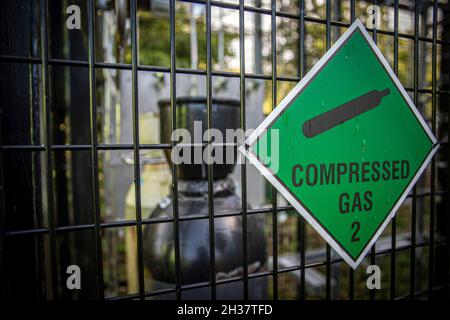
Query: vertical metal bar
414	193
212	246
36	169
433	161
412	277
137	163
273	39
374	32
393	257
351	280
302	240
373	253
413	247
301	220
328	272
351	284
394	220
3	260
94	154
46	109
446	229
173	112
328	24
373	249
328	248
244	163
352	10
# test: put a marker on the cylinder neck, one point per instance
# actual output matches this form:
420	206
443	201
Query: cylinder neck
199	188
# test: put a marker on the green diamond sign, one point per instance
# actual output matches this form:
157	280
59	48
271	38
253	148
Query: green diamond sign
346	146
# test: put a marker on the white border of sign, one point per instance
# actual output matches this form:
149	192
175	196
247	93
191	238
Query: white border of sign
285	103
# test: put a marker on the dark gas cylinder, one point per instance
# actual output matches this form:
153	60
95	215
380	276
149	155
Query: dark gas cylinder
159	248
192	110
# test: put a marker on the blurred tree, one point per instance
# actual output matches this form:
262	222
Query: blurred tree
154	39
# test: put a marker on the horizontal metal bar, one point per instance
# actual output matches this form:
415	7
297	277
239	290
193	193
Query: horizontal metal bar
295	16
110	147
81	147
260	274
128	223
255	275
124	66
227	74
422	292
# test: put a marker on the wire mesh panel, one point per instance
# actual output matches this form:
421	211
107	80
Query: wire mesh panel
57	192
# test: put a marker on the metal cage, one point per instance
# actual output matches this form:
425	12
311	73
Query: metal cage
36	68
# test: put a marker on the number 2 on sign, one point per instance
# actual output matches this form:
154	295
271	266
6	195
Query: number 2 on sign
355	226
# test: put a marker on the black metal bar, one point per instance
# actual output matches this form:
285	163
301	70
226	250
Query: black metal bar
420	293
227	74
351	280
301	221
3	259
273	39
351	284
244	163
373	255
128	223
328	248
445	230
87	147
46	109
264	11
137	162
328	272
168	291
94	153
328	24
394	219
393	257
293	268
209	88
373	249
231	280
265	274
173	110
352	11
433	161
412	281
